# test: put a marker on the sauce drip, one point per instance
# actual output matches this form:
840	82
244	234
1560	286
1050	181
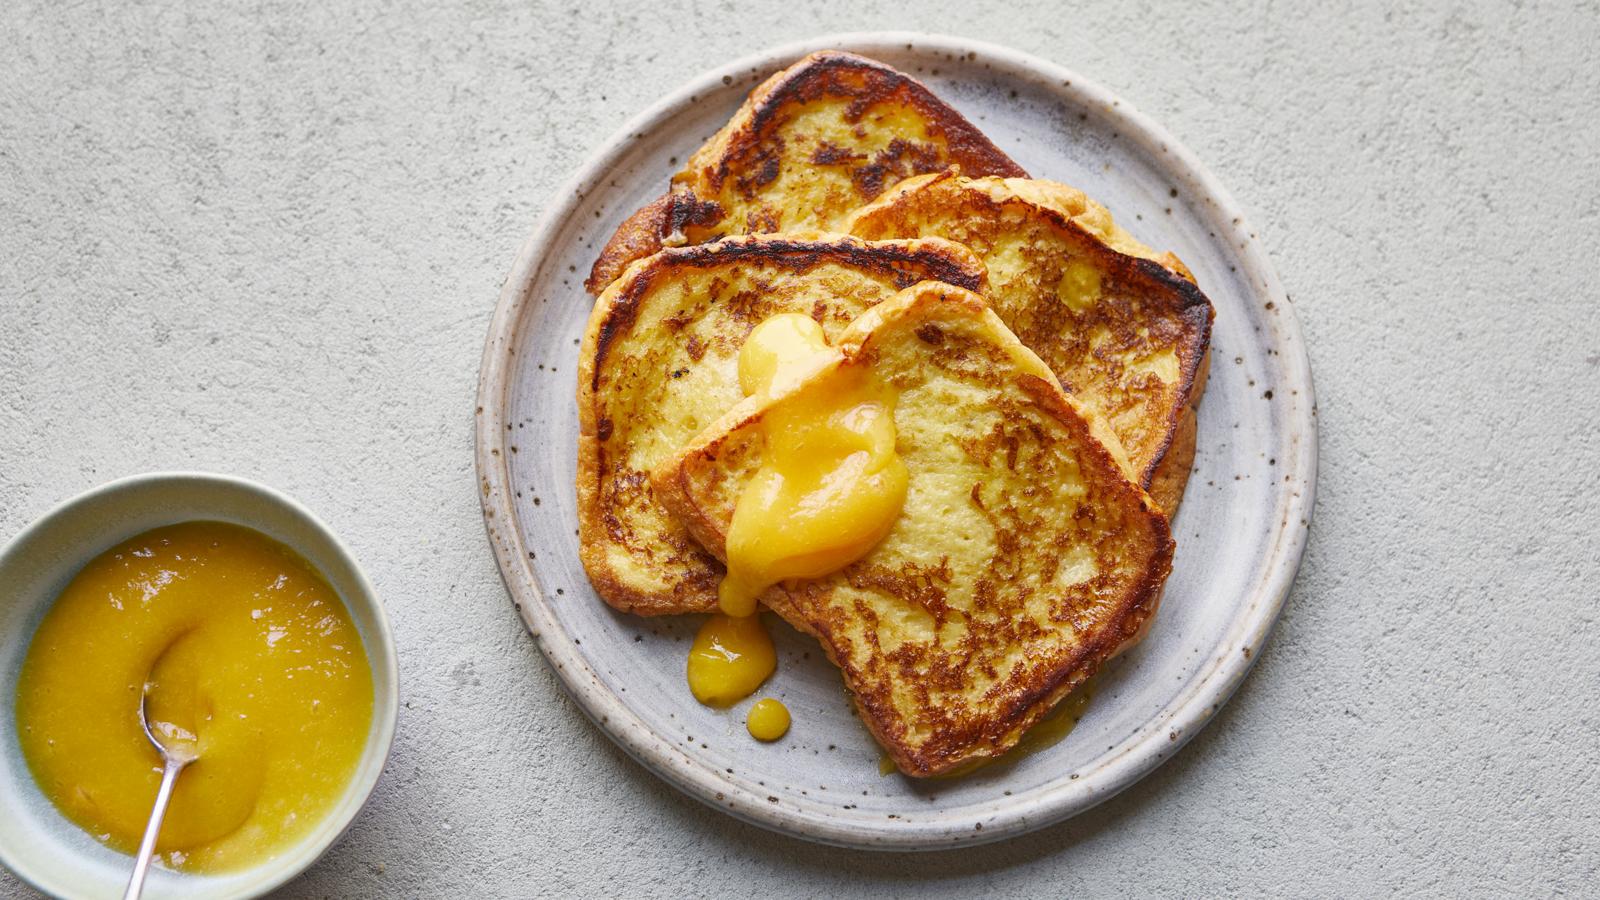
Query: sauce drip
768	720
730	658
829	488
830	485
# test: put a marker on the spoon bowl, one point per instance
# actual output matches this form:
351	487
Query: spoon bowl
178	748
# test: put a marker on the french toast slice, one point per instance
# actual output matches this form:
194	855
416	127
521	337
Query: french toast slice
1124	327
659	362
1023	557
810	144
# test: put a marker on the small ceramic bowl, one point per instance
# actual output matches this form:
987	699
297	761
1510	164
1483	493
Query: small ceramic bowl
36	841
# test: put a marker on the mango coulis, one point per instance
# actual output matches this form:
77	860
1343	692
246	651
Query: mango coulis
830	485
768	720
730	658
248	653
829	488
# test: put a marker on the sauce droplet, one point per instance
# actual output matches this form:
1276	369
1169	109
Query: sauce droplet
730	658
768	720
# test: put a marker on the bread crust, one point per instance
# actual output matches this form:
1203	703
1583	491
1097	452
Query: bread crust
938	736
1171	304
747	154
1172	473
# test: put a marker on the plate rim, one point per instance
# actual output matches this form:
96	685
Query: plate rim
1144	750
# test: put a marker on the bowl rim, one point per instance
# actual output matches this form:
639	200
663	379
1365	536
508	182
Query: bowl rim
1186	714
381	657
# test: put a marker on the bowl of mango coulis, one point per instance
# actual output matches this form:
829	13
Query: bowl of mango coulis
245	624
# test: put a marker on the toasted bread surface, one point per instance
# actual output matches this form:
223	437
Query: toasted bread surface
810	144
1177	464
1023	557
659	362
1121	325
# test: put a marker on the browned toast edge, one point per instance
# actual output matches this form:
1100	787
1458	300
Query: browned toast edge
1165	271
1171	476
650	228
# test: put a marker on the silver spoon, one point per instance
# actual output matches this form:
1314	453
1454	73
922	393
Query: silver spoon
178	751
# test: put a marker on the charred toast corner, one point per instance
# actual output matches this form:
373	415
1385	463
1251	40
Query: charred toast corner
809	145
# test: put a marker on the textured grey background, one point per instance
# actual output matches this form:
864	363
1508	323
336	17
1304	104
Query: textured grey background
267	239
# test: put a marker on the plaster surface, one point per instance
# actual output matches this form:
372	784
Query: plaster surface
266	239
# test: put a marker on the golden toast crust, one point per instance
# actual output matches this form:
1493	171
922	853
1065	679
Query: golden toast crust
810	144
1172	473
1130	351
1018	523
658	363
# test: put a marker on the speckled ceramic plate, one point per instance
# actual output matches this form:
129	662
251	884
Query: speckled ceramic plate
1240	531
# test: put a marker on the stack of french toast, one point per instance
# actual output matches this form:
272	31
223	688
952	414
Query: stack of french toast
1044	367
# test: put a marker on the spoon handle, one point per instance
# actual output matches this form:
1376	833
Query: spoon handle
147	847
